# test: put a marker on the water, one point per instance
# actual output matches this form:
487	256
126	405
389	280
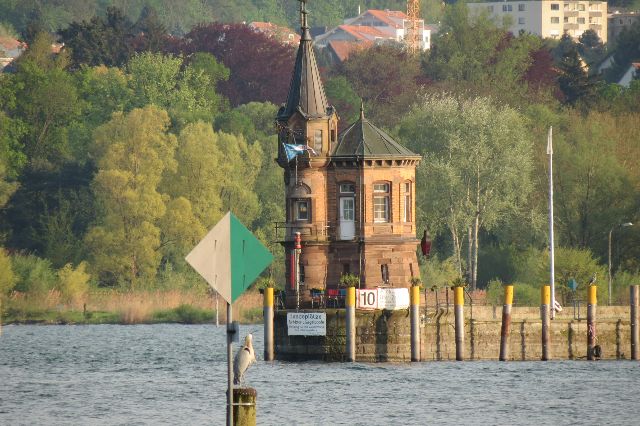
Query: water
176	374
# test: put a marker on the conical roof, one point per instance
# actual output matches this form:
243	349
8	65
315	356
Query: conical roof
306	92
363	139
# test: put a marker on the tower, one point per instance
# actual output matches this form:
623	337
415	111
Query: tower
349	197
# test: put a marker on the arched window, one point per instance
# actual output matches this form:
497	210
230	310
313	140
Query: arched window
300	203
381	202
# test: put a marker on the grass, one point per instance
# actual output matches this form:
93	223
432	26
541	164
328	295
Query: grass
128	307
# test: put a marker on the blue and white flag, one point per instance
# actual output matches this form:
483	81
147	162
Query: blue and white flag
293	151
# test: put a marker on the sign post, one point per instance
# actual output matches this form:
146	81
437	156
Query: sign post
229	258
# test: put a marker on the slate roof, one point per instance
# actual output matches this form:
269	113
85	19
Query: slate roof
306	92
363	139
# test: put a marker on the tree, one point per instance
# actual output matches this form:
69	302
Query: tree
73	283
255	61
7	277
574	80
132	152
476	171
342	96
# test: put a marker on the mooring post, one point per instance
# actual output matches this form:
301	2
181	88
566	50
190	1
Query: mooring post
545	296
415	323
634	299
244	400
458	300
592	302
350	308
506	322
267	313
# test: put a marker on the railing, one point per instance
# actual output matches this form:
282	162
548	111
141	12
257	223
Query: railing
315	231
330	231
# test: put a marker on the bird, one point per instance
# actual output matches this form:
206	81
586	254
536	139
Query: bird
592	281
243	359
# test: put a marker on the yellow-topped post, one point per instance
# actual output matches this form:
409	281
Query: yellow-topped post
506	322
458	300
267	314
545	308
592	302
415	322
350	308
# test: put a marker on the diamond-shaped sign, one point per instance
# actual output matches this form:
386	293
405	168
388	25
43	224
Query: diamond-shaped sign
229	258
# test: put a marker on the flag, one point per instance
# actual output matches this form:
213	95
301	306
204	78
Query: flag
550	141
293	151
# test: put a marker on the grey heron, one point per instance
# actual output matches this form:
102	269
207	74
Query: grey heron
243	359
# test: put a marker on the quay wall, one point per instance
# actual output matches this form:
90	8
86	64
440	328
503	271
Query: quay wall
385	336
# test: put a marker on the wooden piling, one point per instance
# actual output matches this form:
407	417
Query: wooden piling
415	323
634	299
244	401
506	322
458	300
267	313
350	308
545	296
592	302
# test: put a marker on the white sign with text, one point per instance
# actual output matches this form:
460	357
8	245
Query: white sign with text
307	323
383	298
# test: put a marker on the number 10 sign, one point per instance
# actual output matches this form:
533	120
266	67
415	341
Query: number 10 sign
383	298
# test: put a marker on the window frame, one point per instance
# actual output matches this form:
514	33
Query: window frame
318	141
297	202
382	202
555	6
407	212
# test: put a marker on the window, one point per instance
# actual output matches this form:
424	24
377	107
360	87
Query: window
521	8
347	188
581	7
333	135
317	141
407	202
566	20
580	20
384	270
521	21
507	8
555	20
346	268
555	6
301	210
490	9
381	197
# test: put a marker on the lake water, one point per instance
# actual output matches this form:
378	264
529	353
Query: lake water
176	375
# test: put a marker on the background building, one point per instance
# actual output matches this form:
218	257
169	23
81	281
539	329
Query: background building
549	18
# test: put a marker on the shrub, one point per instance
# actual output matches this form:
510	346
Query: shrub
349	280
7	277
526	294
34	275
73	283
437	274
495	292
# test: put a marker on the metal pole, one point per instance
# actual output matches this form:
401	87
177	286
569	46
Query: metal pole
458	299
634	291
551	239
217	312
609	265
545	296
350	310
591	321
506	322
298	249
267	314
229	368
415	323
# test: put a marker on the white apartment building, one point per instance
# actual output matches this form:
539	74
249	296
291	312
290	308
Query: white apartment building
548	18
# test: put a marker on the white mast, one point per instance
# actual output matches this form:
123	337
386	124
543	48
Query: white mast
551	241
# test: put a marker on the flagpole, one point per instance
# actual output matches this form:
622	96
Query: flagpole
551	240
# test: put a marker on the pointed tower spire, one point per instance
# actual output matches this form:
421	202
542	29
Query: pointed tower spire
306	92
361	109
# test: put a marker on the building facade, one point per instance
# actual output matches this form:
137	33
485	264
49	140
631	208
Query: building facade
350	196
618	21
548	18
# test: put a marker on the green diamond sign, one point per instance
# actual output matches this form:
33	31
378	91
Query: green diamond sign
229	258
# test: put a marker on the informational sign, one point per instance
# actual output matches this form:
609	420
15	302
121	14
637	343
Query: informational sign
230	258
307	323
383	298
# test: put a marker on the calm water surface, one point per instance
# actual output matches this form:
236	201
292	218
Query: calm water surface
176	374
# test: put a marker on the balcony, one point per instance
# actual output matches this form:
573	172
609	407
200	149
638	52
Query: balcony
330	231
571	13
595	27
570	26
595	13
315	231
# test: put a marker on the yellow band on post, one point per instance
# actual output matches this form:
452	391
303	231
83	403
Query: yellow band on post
268	297
415	295
593	295
545	295
458	295
351	297
508	294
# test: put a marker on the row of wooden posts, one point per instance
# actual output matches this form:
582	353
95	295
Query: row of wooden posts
545	311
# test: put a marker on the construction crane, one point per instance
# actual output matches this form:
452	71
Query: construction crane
412	34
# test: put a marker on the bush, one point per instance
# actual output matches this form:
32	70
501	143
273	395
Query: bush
495	292
184	314
526	294
73	283
438	274
34	275
7	277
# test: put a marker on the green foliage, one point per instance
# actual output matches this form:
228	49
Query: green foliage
342	96
525	294
73	283
349	280
7	277
33	275
439	274
495	292
184	314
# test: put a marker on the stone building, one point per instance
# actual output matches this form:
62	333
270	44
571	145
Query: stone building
351	196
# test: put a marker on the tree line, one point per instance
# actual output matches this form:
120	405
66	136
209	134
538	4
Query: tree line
119	152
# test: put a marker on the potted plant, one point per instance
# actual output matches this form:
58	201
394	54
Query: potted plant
349	280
